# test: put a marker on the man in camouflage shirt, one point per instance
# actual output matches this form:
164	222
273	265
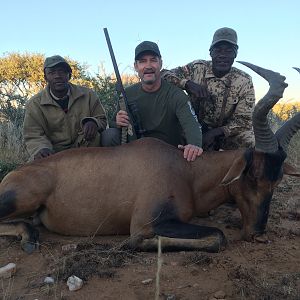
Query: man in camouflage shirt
222	96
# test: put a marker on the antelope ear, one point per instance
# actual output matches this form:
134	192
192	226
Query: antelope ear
290	170
235	171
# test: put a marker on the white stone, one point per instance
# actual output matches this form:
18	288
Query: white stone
49	280
74	283
220	295
8	270
68	248
147	281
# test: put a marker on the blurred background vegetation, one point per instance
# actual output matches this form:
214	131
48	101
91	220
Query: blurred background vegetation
21	76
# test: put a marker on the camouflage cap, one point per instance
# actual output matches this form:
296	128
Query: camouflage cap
55	60
146	46
224	34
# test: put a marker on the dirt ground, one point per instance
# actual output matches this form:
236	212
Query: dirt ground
267	270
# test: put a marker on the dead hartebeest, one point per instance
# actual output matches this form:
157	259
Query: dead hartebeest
146	188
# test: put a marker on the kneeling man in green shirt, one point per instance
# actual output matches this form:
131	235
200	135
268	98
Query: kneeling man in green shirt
163	109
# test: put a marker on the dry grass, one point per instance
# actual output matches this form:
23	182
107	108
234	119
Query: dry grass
12	149
11	144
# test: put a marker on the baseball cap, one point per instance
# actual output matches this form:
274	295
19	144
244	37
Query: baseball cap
55	60
224	34
146	46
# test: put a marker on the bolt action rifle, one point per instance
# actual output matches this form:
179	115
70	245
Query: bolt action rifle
131	108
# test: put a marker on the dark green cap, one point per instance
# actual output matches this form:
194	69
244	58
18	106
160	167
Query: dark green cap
224	34
146	46
55	60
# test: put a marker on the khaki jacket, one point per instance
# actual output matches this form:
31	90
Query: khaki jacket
46	125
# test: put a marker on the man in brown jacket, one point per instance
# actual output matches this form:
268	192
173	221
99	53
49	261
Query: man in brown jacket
62	115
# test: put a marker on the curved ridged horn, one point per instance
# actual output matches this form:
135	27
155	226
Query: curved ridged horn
265	139
287	130
297	69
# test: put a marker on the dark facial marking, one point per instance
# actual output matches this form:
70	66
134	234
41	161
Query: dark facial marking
273	165
263	214
7	203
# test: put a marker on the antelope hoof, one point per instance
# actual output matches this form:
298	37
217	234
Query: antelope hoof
218	245
29	247
30	240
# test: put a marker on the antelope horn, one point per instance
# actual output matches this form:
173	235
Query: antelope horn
265	139
287	131
297	69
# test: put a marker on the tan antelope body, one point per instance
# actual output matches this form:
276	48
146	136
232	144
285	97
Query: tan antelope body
147	189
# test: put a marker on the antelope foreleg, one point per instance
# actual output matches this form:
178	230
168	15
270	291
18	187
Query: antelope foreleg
27	233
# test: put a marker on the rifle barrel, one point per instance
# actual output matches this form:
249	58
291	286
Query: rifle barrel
132	110
112	55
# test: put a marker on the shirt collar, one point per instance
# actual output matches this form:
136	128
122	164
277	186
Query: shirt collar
57	98
209	73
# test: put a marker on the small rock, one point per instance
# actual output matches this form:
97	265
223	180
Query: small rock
195	271
74	283
170	297
219	295
174	263
147	281
184	286
68	248
49	280
195	285
262	239
8	270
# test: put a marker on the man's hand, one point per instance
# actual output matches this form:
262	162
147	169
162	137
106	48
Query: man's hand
190	152
122	119
43	153
198	90
90	129
210	137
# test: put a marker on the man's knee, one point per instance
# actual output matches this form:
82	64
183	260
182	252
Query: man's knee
111	137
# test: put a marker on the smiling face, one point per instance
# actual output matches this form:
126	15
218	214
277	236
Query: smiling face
58	77
148	67
223	55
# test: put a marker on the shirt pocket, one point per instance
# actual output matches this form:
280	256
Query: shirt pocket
232	102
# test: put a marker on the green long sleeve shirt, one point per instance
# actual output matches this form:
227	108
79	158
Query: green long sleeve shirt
165	114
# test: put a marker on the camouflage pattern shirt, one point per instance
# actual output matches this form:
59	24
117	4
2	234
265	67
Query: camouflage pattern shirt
240	103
